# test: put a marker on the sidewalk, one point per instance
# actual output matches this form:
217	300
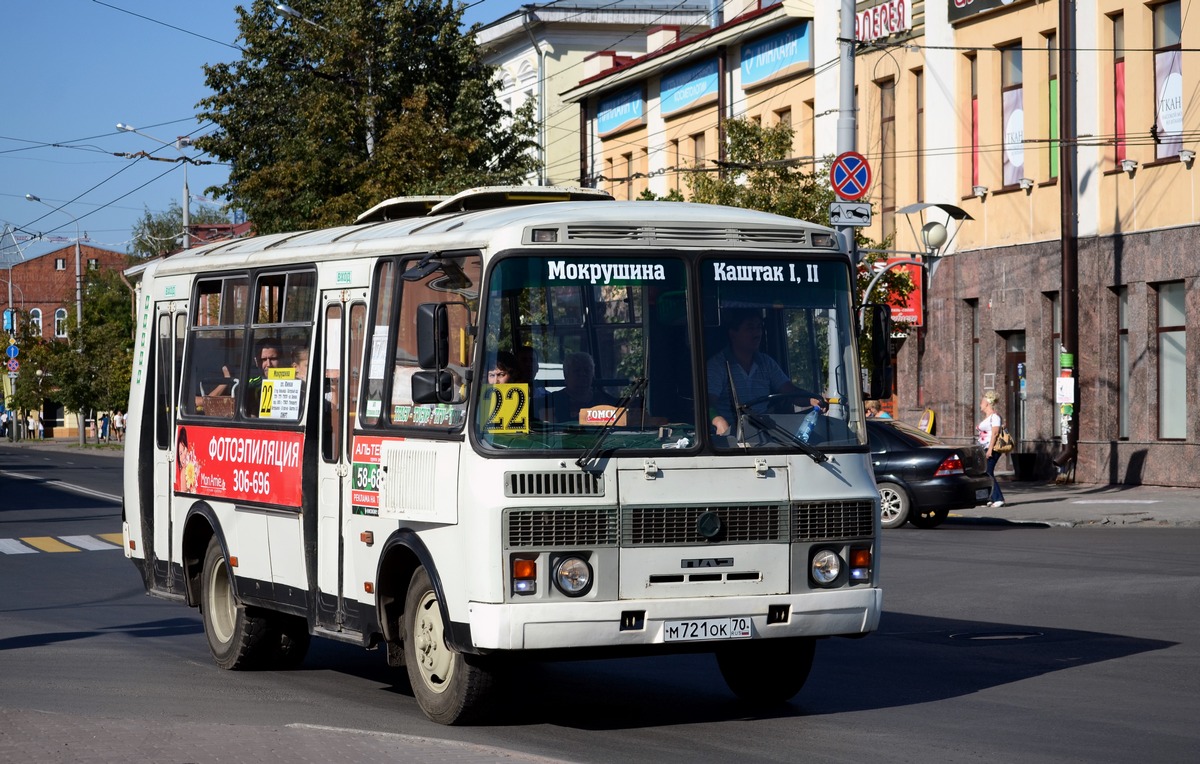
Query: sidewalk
1082	504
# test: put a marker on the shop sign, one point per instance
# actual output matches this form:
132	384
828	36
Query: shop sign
688	87
965	9
778	55
887	18
617	112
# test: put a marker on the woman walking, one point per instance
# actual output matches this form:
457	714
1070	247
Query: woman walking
988	431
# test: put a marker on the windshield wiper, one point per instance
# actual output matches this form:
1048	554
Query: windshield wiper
622	406
781	434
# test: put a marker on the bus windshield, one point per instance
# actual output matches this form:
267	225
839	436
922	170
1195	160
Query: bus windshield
579	348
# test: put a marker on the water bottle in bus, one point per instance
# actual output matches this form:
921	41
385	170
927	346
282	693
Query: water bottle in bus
808	424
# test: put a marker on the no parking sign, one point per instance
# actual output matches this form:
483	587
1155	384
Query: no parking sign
850	176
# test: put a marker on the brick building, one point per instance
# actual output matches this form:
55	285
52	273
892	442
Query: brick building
43	293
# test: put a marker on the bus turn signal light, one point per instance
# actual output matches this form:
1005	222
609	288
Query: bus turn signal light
524	576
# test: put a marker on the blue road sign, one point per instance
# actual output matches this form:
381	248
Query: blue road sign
12	351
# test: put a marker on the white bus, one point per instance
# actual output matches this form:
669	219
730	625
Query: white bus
316	446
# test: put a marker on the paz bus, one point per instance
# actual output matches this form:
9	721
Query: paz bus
482	427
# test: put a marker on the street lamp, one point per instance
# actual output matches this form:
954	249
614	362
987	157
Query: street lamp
78	295
179	143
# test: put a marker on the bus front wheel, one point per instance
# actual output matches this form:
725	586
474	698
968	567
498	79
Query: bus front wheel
235	633
450	687
767	672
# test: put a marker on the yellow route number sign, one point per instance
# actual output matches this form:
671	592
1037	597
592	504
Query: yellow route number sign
506	408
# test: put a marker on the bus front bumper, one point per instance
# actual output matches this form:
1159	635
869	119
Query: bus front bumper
559	624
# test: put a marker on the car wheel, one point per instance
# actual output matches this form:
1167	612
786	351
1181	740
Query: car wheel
929	518
893	505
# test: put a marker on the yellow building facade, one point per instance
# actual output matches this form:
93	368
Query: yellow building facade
958	104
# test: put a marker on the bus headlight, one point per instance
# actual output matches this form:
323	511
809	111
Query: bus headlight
826	567
573	576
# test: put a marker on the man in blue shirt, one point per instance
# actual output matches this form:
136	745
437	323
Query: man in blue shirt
755	375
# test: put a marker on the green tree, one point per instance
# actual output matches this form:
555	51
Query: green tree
373	99
159	233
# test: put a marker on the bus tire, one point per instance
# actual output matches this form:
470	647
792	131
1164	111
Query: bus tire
769	671
449	686
235	633
894	505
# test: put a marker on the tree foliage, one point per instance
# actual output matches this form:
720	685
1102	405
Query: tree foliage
372	99
160	233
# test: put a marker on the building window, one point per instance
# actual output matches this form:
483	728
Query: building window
1118	33
35	320
976	387
1012	110
973	66
1172	361
698	150
1055	355
675	162
60	264
627	160
60	322
610	173
810	135
1123	363
919	95
1168	81
784	117
887	156
93	264
1052	103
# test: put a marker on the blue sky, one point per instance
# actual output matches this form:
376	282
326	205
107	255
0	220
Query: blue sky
72	70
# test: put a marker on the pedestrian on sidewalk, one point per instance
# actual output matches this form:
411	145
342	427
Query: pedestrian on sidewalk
104	422
119	426
988	431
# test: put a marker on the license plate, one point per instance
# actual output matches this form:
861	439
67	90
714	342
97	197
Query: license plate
708	628
982	494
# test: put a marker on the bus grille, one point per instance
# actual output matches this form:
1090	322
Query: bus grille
686	234
553	484
653	526
561	527
825	520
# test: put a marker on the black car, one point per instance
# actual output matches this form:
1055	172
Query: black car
920	478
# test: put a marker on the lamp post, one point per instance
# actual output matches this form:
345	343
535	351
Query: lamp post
178	145
78	295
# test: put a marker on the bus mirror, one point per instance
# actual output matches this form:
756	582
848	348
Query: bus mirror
878	337
433	387
433	336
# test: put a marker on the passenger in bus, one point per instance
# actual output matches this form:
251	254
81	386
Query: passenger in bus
579	371
503	369
300	361
755	374
269	356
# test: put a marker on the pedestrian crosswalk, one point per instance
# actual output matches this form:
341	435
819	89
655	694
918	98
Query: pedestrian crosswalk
33	544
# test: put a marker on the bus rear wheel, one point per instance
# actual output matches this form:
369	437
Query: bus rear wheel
767	672
236	634
450	687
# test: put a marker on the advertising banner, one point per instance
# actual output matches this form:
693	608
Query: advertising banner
236	464
778	55
365	477
1014	136
1168	85
689	87
617	112
964	9
883	19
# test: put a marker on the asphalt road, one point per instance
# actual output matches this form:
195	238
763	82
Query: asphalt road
1002	640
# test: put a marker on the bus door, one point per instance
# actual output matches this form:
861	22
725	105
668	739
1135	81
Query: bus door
170	331
341	327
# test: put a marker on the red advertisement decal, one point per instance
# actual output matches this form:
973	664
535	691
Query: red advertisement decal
239	464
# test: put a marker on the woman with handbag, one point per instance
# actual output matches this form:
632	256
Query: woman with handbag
988	431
